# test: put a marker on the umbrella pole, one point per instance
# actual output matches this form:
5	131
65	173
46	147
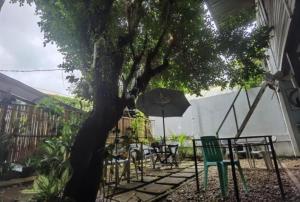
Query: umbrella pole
165	143
163	116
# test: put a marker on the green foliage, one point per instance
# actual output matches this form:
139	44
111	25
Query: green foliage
52	162
75	102
5	143
238	50
181	138
185	152
48	188
52	105
138	126
173	42
57	105
243	44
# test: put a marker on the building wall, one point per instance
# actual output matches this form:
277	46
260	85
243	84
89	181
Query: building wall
205	115
280	15
276	14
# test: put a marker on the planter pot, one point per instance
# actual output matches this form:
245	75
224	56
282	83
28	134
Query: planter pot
10	175
27	171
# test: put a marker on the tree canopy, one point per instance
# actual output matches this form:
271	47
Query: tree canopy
173	37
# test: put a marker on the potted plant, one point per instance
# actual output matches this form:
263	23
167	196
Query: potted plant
28	168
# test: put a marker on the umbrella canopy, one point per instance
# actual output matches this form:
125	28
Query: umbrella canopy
164	103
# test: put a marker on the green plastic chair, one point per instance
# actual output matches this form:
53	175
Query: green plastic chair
213	157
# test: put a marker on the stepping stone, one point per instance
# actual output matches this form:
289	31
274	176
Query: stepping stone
185	175
133	196
187	164
129	186
198	166
171	180
147	179
159	174
174	170
155	188
188	170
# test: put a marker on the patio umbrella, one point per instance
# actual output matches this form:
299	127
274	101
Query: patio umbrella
163	102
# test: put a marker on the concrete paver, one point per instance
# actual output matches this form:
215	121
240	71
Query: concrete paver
188	170
155	188
171	180
133	196
131	185
148	179
185	175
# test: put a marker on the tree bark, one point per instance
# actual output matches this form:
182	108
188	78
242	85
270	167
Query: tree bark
87	153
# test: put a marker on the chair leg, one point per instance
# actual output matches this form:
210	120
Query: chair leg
243	177
222	179
136	168
266	161
205	176
226	178
268	157
152	161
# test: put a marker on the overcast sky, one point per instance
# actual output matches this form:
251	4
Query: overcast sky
21	47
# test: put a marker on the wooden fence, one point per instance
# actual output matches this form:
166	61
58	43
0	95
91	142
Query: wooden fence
25	126
144	132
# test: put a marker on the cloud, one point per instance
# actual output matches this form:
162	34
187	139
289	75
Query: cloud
21	47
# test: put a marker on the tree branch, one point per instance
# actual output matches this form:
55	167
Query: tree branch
143	80
154	51
101	15
134	16
136	61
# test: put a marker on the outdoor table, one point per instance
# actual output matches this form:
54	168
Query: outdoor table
164	152
231	143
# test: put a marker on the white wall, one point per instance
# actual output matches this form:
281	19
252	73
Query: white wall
205	115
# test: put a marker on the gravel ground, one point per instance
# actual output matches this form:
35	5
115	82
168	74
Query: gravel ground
294	167
262	183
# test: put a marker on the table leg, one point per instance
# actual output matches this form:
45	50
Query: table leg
235	182
196	166
276	167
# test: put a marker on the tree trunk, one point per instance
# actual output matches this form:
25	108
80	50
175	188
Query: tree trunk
87	154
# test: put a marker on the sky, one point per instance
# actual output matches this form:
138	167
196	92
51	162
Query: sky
21	48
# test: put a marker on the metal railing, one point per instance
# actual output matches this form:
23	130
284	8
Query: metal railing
240	128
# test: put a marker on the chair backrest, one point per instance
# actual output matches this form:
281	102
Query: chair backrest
211	149
274	138
173	148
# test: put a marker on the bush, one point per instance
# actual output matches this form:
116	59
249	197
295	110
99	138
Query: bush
52	163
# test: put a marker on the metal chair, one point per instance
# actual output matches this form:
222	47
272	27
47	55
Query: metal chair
174	154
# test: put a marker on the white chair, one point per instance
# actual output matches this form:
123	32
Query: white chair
265	153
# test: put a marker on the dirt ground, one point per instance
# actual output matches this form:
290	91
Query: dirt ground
14	193
262	183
